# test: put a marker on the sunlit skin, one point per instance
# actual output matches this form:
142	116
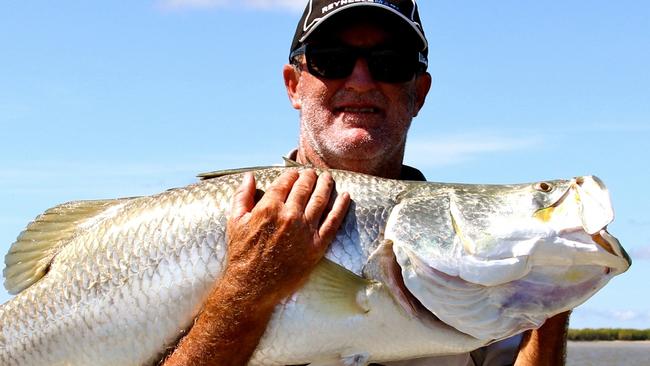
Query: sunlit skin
355	123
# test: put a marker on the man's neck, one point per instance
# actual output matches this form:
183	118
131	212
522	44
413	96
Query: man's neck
385	168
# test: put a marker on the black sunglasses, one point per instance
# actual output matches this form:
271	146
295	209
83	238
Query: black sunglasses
389	65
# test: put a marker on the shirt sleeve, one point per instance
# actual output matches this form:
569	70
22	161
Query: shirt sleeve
501	353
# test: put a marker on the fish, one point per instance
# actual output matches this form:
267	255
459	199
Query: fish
416	269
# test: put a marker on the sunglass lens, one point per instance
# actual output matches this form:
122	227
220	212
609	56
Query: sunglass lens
385	65
392	66
330	63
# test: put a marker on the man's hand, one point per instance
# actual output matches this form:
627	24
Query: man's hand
274	244
272	247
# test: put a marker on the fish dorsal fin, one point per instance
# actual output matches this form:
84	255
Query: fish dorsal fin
29	258
290	163
223	173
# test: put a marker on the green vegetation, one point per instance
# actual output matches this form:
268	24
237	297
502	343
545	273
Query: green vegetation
605	334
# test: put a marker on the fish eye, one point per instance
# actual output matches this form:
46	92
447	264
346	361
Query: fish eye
544	187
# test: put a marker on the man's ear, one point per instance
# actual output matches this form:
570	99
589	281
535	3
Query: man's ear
291	80
422	86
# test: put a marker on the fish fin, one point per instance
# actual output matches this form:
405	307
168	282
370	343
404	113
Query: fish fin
29	258
225	172
356	359
290	163
334	289
382	266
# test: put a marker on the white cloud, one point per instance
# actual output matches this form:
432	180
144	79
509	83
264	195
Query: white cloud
293	5
627	315
455	149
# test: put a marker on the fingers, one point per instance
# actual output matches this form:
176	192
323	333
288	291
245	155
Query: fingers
244	198
281	186
334	218
319	199
303	193
302	190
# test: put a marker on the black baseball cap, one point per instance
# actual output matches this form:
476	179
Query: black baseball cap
403	13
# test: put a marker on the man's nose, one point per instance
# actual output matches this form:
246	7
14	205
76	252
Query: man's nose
360	79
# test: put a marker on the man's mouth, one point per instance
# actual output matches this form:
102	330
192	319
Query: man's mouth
358	110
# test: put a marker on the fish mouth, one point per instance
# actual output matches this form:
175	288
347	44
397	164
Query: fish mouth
610	244
579	220
605	250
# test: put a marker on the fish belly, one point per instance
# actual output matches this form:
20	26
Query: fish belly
125	290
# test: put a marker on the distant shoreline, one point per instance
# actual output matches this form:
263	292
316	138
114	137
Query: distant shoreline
609	334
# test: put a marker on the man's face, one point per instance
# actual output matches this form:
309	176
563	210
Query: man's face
357	119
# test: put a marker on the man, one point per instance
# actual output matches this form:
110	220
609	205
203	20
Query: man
357	74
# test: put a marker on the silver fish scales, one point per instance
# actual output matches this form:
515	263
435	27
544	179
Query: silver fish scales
117	282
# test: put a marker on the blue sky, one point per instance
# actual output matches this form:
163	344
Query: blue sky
110	99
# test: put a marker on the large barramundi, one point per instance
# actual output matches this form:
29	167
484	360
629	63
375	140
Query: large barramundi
416	269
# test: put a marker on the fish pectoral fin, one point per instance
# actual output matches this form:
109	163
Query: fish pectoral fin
29	258
334	289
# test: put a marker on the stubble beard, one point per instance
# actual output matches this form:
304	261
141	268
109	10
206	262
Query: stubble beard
379	144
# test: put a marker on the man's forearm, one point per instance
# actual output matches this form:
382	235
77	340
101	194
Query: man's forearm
545	346
227	330
272	247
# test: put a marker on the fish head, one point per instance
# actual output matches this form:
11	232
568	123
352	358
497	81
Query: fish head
493	261
579	217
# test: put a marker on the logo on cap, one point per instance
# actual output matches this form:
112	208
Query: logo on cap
335	4
318	11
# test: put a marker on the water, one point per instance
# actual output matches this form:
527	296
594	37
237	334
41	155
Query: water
608	353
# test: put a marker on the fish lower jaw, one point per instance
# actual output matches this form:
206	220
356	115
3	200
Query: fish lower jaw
576	247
